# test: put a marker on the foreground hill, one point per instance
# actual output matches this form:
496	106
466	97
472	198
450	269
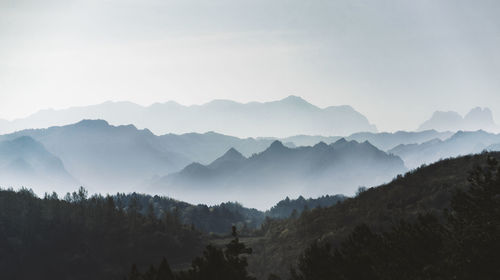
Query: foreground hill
224	116
25	162
426	190
340	167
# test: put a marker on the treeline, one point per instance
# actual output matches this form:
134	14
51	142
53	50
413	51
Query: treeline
219	218
293	207
85	238
463	243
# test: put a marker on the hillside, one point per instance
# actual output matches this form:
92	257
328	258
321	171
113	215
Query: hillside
424	190
220	218
340	167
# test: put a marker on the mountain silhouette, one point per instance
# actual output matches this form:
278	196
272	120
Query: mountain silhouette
26	162
460	143
340	167
119	158
476	119
224	116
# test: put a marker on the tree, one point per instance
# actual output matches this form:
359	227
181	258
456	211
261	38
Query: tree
164	271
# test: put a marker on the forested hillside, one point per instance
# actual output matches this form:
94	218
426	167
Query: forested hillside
220	218
85	238
425	190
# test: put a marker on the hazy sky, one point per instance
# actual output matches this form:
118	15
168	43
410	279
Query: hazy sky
394	61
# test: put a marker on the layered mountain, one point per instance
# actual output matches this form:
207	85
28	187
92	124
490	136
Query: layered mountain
382	140
476	119
223	116
461	143
104	156
26	162
119	158
340	167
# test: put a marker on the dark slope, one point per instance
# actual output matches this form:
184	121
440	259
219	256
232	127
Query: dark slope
340	167
424	190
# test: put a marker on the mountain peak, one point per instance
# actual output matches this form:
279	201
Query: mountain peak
477	118
320	144
92	123
340	141
480	114
294	98
233	154
276	145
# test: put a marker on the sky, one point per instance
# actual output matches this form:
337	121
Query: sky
395	61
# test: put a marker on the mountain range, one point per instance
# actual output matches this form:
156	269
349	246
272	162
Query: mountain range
476	119
26	162
224	116
111	158
460	143
340	167
107	158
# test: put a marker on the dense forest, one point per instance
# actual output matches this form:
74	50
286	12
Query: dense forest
85	238
81	237
218	219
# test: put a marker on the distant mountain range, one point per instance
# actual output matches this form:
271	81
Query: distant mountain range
108	158
477	118
224	116
461	143
111	158
340	167
25	162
